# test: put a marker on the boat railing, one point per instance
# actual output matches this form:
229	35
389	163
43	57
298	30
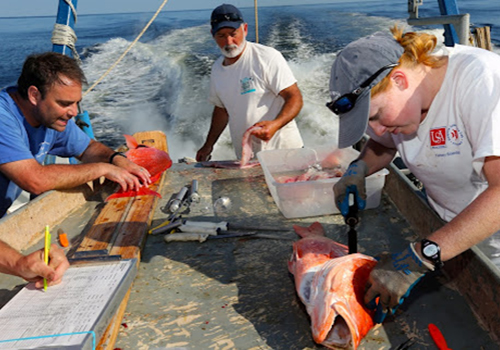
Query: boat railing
449	15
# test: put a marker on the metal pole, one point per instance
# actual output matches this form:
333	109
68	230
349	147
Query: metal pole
65	17
256	22
461	23
449	7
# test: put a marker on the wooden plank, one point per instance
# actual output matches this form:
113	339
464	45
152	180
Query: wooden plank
114	326
122	228
482	37
156	139
50	208
102	231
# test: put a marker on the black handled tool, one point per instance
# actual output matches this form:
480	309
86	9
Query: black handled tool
352	220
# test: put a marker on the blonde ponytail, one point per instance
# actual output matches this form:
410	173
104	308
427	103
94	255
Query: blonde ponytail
418	48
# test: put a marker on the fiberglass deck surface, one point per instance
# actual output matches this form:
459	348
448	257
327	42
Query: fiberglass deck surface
237	293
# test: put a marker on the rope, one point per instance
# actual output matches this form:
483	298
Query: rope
127	50
65	35
73	9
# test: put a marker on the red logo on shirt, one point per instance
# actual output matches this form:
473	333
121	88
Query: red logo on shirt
438	137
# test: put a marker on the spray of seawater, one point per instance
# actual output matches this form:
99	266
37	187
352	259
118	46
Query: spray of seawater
163	85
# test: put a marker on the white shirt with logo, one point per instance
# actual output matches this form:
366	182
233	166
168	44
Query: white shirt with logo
461	129
249	91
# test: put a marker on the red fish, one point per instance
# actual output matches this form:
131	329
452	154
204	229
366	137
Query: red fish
246	146
331	285
229	164
154	160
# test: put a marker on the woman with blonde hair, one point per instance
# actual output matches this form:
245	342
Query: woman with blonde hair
441	112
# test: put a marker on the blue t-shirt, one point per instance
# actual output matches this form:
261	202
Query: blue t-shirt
19	141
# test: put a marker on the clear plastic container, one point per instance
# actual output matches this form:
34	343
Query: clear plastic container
313	197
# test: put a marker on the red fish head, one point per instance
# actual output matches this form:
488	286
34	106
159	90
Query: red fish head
313	249
331	285
154	160
339	317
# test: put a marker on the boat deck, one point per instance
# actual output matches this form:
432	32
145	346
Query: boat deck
237	293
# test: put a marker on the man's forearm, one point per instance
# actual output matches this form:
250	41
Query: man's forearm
219	122
96	152
292	106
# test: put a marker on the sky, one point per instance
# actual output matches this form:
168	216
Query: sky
20	8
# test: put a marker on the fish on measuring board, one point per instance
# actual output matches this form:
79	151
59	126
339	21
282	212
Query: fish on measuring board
154	160
331	284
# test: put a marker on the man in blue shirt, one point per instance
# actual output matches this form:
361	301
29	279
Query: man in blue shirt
36	119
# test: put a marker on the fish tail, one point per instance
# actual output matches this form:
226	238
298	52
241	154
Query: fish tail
131	141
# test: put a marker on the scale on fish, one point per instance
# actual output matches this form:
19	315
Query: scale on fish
331	283
154	160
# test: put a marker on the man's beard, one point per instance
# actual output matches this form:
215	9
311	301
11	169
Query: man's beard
232	51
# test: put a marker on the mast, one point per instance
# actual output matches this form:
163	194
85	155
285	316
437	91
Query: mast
64	42
66	17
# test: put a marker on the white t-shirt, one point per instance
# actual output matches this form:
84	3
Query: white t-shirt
249	91
462	127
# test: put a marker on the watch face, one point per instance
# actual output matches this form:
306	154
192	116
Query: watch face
430	250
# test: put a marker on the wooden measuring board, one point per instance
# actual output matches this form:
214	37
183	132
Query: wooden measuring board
121	228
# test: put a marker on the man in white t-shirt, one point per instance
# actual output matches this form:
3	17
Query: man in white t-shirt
250	85
441	113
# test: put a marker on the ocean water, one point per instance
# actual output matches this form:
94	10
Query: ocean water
162	84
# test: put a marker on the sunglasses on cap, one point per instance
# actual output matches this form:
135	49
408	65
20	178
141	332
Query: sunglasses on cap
226	17
346	102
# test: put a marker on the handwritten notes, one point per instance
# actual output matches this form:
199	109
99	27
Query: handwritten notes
77	305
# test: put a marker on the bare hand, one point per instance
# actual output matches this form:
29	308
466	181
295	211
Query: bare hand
203	153
267	130
140	172
126	180
33	268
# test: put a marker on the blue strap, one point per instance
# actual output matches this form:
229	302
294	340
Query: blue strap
53	336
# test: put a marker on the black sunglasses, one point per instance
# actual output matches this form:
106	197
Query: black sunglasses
226	17
347	101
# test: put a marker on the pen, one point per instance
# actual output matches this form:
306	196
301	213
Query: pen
46	253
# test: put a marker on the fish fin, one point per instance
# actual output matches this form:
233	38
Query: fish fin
156	177
143	191
131	141
315	229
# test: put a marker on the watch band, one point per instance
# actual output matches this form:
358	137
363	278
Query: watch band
121	154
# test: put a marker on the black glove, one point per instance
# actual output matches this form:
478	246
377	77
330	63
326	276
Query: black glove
353	181
392	280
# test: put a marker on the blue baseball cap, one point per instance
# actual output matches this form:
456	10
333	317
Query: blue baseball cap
225	15
357	63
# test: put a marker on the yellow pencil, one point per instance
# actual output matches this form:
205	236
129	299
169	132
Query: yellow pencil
46	253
